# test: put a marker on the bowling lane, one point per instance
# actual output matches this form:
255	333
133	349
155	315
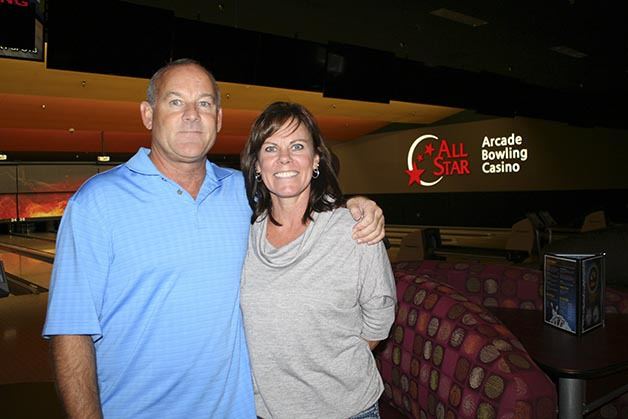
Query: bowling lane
26	242
28	269
40	235
27	246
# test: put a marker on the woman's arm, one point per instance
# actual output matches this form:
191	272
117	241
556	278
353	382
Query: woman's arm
377	294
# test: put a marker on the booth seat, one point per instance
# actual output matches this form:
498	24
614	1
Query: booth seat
486	285
448	357
497	284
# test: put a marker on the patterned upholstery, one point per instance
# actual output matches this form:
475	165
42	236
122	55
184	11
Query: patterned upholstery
450	358
491	285
497	285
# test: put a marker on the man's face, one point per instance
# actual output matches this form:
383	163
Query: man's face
184	119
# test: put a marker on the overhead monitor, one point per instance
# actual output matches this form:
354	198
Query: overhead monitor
229	53
108	37
358	73
17	20
291	63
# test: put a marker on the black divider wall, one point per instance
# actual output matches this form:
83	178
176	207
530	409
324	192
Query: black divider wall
116	37
500	209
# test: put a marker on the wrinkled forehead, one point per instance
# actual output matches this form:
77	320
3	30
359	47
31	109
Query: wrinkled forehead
185	77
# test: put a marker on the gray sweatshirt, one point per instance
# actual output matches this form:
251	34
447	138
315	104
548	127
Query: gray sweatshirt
309	308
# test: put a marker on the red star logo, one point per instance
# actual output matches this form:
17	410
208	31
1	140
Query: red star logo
429	149
419	158
415	175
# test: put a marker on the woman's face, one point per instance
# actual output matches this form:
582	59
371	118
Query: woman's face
286	161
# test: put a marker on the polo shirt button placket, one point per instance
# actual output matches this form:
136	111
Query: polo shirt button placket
197	217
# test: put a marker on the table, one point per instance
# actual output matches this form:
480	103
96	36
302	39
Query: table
572	359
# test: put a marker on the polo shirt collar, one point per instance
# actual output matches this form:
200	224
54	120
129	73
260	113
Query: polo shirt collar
142	164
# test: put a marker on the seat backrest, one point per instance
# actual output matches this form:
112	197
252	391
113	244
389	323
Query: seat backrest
594	221
522	237
418	244
448	356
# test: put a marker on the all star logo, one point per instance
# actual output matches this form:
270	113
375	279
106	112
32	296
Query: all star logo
430	160
18	3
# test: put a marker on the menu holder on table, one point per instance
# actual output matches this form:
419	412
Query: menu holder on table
573	291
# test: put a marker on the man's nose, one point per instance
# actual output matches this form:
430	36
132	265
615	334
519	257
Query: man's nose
190	113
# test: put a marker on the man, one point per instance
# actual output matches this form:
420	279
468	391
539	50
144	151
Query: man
143	311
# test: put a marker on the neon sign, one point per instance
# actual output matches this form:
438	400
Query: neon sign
503	154
19	3
430	159
444	160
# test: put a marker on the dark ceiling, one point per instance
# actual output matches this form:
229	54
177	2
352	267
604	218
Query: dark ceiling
515	59
511	62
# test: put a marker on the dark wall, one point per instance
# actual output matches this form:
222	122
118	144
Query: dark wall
501	209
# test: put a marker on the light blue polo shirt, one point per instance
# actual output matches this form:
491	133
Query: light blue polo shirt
153	276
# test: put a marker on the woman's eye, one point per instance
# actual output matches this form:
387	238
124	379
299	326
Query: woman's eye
297	146
269	148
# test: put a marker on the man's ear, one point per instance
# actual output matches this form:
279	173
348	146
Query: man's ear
147	114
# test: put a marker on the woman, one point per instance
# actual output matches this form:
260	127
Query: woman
314	302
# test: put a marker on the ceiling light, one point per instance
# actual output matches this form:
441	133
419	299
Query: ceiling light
568	51
103	159
458	17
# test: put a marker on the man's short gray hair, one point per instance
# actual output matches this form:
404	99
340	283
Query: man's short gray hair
151	92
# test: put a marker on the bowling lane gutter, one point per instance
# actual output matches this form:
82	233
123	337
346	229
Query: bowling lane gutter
25	251
30	236
25	284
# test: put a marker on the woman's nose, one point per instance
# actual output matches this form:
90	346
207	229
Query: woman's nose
284	156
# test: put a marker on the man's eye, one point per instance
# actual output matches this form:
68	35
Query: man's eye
176	102
205	104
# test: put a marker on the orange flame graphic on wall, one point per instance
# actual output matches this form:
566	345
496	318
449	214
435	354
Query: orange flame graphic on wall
42	205
8	207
